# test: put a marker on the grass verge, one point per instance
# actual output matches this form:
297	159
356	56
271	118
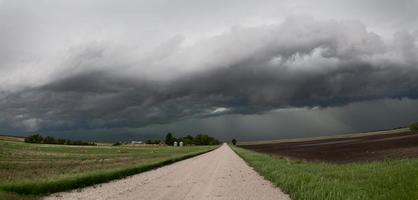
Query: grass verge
392	179
13	196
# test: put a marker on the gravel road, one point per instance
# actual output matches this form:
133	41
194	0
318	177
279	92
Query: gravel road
219	174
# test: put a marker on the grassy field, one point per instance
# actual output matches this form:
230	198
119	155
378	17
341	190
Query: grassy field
396	179
36	169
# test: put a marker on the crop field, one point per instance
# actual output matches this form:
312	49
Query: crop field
356	148
36	169
363	166
306	180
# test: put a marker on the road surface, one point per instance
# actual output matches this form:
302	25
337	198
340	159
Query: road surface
219	174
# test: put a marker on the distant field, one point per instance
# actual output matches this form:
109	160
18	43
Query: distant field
41	168
342	136
303	180
11	138
364	147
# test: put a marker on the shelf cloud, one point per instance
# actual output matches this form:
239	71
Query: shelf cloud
298	61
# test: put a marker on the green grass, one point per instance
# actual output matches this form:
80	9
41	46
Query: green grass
37	169
14	196
394	179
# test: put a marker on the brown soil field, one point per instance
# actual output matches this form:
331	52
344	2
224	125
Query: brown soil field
367	148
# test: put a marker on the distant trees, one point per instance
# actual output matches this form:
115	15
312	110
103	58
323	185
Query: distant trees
152	141
34	139
205	140
200	139
234	141
414	126
51	140
187	140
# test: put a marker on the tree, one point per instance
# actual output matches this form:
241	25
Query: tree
414	126
234	141
169	139
61	141
49	140
188	140
34	139
205	140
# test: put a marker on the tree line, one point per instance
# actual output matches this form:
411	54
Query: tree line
414	127
51	140
200	139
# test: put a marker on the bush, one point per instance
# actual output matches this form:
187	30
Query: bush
117	144
414	126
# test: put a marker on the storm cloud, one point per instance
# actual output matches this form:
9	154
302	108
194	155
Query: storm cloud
256	69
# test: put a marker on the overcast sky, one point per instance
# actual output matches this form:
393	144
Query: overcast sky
110	70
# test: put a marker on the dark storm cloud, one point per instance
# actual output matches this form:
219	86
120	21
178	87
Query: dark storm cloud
299	63
314	69
283	123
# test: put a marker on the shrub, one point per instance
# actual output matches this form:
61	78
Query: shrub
117	144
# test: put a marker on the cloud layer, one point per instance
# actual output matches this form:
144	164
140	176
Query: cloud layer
300	62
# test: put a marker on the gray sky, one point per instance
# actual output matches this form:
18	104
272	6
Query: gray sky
245	69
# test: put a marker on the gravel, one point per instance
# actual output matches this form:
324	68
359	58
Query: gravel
219	174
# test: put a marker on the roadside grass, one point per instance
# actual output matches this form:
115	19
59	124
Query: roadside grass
14	196
391	179
32	170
